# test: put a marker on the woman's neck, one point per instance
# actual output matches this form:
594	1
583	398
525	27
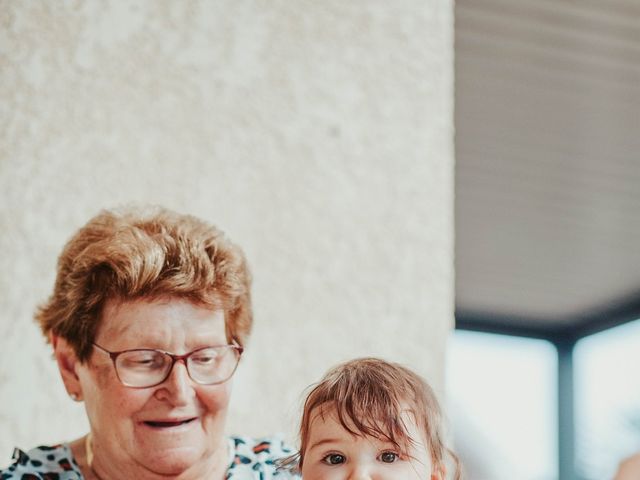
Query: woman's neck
97	466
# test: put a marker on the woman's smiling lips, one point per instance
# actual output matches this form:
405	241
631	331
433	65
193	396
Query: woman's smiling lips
168	423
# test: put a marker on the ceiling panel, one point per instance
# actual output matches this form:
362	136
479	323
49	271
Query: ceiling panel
548	158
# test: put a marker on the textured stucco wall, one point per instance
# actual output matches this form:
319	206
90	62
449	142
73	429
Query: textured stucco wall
317	134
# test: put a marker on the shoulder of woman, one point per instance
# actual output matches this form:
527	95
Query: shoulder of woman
259	455
45	462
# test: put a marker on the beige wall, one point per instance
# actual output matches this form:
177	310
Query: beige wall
318	134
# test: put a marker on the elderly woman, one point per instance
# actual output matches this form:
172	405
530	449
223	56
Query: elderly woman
148	321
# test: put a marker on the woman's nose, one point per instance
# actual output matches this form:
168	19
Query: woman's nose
177	388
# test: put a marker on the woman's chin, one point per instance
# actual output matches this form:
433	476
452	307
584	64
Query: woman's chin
172	461
168	452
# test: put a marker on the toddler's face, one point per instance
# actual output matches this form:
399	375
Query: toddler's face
335	454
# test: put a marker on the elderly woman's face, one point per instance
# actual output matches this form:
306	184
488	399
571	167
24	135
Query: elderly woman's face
168	427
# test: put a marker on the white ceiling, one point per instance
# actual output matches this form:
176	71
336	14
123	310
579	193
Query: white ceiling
548	157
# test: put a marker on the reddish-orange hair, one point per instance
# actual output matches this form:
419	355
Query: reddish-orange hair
148	253
368	397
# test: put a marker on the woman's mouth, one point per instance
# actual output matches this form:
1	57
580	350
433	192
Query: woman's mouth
168	423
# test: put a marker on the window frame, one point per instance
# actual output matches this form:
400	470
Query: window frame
564	338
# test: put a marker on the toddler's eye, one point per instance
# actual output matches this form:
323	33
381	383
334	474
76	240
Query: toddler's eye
388	457
334	459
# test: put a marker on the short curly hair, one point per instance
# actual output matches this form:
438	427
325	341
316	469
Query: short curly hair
145	253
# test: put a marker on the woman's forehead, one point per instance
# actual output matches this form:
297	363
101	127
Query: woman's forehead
156	318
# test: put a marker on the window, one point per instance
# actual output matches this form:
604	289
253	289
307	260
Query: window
607	400
502	404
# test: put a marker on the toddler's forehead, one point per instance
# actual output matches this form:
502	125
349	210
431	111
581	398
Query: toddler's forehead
326	426
327	417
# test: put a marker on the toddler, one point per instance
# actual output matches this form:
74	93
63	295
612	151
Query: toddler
372	419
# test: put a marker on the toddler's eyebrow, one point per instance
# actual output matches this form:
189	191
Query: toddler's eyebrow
324	441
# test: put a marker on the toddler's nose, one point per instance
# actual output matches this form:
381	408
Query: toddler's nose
361	472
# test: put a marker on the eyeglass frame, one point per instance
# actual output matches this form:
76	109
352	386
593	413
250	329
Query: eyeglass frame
174	358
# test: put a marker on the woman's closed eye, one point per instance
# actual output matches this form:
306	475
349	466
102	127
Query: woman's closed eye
140	360
206	358
334	459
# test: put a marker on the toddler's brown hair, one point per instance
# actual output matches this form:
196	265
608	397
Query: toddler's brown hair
367	397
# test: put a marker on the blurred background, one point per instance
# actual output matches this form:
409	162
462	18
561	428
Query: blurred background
543	366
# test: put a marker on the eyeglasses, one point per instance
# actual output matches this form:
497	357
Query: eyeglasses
142	367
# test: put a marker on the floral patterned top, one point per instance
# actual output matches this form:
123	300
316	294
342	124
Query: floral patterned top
249	459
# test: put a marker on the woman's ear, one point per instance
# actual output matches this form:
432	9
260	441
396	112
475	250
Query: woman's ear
67	363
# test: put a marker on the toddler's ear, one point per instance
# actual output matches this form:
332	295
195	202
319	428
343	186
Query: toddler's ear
440	473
